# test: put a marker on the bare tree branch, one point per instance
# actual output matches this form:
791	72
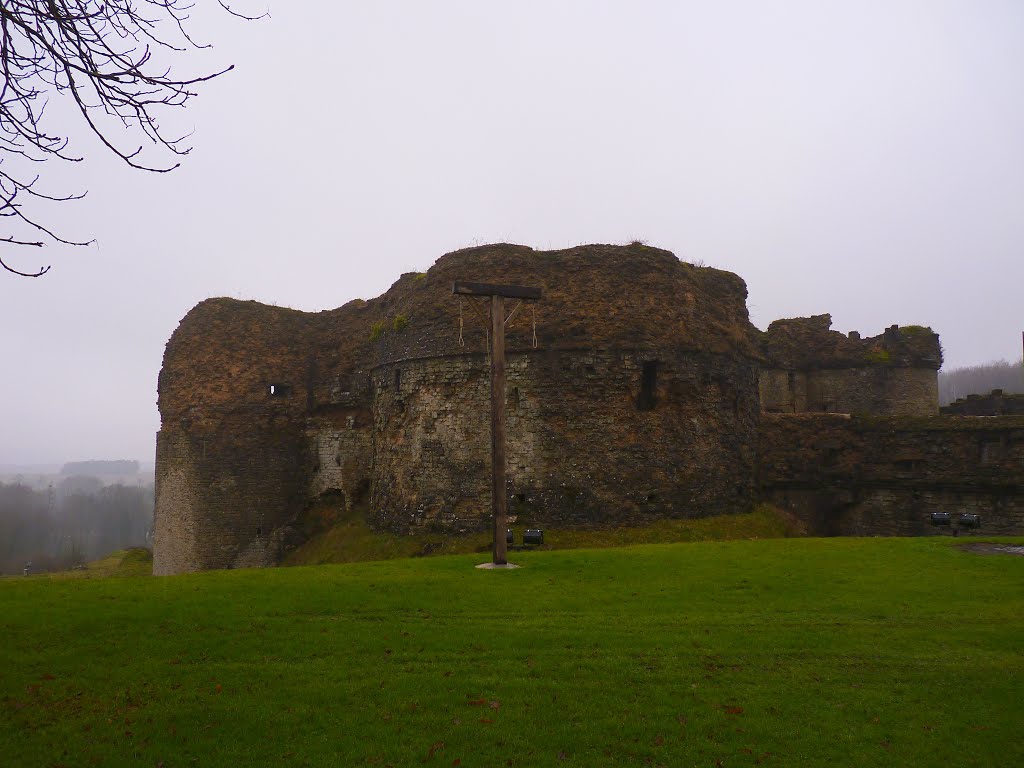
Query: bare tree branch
99	56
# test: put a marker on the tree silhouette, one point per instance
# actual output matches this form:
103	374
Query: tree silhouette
108	60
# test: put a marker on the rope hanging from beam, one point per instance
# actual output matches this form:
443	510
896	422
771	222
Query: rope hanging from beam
462	323
462	341
513	312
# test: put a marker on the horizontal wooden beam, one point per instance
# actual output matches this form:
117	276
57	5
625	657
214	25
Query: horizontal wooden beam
487	289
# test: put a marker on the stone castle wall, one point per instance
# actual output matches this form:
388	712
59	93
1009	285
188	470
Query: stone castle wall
586	443
877	390
226	495
996	403
810	368
642	399
883	476
615	417
233	460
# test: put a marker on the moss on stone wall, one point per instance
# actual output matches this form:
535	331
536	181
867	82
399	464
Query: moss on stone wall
808	343
264	409
640	400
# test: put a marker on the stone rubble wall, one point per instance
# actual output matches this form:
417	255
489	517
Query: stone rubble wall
176	520
342	457
227	497
809	343
581	450
883	476
809	368
996	403
875	390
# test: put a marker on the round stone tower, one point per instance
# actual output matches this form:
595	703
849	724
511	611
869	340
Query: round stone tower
632	395
639	399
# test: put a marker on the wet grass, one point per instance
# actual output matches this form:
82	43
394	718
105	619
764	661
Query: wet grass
352	540
781	652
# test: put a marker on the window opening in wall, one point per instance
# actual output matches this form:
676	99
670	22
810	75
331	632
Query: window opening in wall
829	456
259	530
361	492
648	386
279	390
398	379
990	450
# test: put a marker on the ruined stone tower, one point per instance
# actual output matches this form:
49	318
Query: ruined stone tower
640	400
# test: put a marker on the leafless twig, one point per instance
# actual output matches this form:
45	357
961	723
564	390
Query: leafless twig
102	56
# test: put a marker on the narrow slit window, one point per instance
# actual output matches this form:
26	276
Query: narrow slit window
648	386
398	379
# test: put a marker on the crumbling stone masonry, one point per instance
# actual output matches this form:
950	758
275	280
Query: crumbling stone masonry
642	399
639	401
996	403
809	368
860	476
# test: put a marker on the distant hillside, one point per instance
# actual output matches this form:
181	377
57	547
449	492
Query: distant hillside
980	380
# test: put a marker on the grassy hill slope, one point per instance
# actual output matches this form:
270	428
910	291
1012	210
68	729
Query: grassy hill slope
854	652
349	539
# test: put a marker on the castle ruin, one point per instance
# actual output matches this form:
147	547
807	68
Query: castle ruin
648	394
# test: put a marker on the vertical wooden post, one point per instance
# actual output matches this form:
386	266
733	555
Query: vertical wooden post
499	500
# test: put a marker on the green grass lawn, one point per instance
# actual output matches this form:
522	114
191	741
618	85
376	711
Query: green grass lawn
351	539
781	652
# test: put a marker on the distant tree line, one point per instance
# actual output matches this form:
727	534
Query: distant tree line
69	524
980	380
119	467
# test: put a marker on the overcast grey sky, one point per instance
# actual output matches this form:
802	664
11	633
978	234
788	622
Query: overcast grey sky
862	158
